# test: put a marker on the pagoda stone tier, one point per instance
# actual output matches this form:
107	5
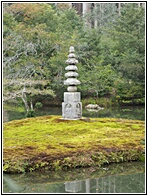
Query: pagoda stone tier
71	107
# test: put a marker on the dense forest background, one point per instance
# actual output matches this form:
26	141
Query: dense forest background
36	41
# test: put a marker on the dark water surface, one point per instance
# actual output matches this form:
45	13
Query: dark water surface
115	178
127	112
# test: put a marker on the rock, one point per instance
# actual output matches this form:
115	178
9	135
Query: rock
99	108
93	106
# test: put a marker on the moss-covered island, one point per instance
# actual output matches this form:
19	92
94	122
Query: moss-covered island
51	143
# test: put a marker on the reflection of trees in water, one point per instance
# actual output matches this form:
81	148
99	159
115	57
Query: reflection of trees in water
133	183
73	186
137	113
128	112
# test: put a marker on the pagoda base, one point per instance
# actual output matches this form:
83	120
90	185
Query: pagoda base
72	107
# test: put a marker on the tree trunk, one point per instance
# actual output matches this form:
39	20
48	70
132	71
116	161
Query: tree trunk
97	94
95	19
100	14
24	98
31	105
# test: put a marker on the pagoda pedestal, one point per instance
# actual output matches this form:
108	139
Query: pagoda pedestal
72	107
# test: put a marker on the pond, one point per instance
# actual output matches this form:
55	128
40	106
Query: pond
115	178
127	112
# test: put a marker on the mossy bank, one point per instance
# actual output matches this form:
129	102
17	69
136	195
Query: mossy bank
50	143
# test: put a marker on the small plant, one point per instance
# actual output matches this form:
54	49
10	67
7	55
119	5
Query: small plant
143	141
56	165
6	166
38	105
30	113
142	158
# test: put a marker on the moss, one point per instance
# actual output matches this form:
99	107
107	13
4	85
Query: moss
52	143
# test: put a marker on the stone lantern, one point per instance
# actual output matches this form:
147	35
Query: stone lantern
71	107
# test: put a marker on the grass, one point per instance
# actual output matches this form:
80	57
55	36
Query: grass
51	143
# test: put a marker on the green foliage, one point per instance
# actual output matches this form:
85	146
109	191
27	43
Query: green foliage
32	14
8	24
129	35
111	56
105	14
30	113
142	158
121	46
38	105
100	80
26	49
89	51
127	90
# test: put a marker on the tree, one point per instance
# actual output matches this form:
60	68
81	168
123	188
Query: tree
129	35
23	71
88	48
67	34
26	89
99	80
37	37
32	14
25	56
102	15
37	45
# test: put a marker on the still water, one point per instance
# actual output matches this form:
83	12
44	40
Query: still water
115	178
127	112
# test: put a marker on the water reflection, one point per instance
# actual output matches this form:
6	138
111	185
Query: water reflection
73	186
125	178
133	183
128	112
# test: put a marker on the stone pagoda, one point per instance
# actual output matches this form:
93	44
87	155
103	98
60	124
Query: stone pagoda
71	107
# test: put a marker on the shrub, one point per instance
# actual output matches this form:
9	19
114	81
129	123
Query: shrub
38	105
30	113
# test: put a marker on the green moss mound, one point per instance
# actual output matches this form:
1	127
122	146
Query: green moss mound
51	143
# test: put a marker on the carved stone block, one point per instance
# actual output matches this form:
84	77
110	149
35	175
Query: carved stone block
71	110
72	97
